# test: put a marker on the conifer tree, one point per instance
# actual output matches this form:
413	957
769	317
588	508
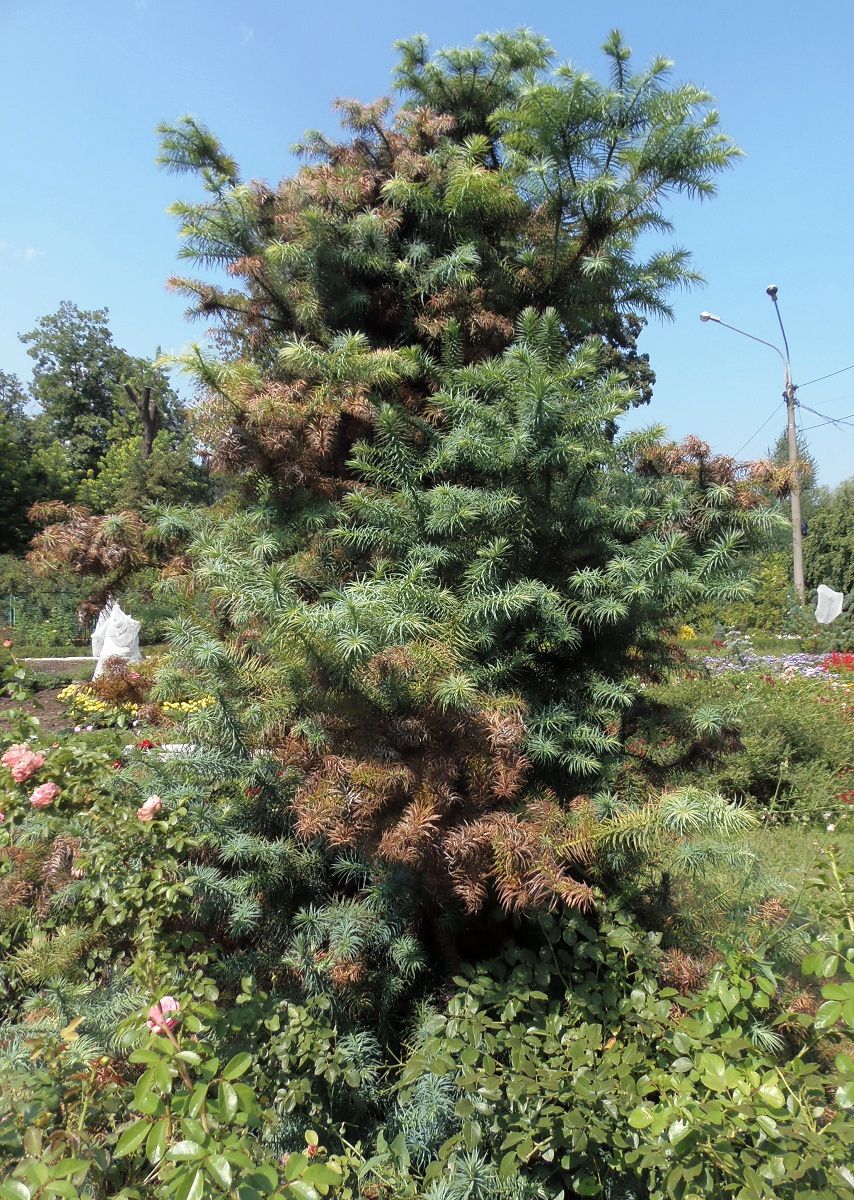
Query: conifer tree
436	614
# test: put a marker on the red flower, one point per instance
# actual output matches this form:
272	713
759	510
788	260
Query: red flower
145	744
837	661
253	791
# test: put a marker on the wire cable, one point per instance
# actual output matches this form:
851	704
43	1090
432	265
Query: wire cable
758	431
829	421
824	416
841	371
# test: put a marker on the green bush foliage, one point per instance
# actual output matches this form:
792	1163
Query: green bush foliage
782	745
582	1057
40	612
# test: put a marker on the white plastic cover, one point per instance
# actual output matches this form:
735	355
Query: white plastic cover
100	630
829	605
121	639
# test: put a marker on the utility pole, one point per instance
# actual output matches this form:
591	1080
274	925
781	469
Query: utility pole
791	402
795	478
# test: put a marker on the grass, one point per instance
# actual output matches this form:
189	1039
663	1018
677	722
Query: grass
763	643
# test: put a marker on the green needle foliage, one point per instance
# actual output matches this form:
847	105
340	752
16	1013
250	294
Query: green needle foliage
436	617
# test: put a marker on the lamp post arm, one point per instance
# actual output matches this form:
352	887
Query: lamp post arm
783	358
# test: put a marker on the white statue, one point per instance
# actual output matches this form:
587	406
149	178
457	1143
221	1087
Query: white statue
120	638
829	604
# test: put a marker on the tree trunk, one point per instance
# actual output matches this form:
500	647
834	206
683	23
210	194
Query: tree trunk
146	406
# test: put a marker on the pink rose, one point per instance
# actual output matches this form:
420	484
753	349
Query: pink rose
22	761
158	1019
26	767
7	644
150	808
2	817
44	795
10	758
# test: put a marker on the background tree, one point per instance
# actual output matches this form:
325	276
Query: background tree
17	478
104	412
829	546
77	373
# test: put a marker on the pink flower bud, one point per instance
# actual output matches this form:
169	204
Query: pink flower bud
159	1020
149	809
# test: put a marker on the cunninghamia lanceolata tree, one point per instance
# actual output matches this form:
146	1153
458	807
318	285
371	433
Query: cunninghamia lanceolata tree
436	615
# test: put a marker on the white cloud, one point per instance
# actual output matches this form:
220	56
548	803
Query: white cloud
9	252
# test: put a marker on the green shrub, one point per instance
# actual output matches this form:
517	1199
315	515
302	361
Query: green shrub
572	1069
171	1119
782	745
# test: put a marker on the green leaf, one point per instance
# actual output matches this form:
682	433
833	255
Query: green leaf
772	1095
837	991
301	1190
185	1150
295	1165
66	1167
62	1188
812	964
237	1066
847	1176
189	1056
191	1187
13	1189
219	1169
227	1098
132	1138
155	1144
197	1099
828	1014
322	1174
33	1139
193	1129
641	1116
508	1165
845	1095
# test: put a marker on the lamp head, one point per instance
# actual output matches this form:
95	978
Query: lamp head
707	316
772	290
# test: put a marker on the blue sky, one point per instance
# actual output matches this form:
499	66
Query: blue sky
83	205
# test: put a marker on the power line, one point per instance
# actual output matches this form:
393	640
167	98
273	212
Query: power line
829	421
841	371
758	431
838	399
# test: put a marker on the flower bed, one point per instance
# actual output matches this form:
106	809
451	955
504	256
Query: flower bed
84	704
807	666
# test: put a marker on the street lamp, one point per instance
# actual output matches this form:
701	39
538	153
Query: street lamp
789	397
